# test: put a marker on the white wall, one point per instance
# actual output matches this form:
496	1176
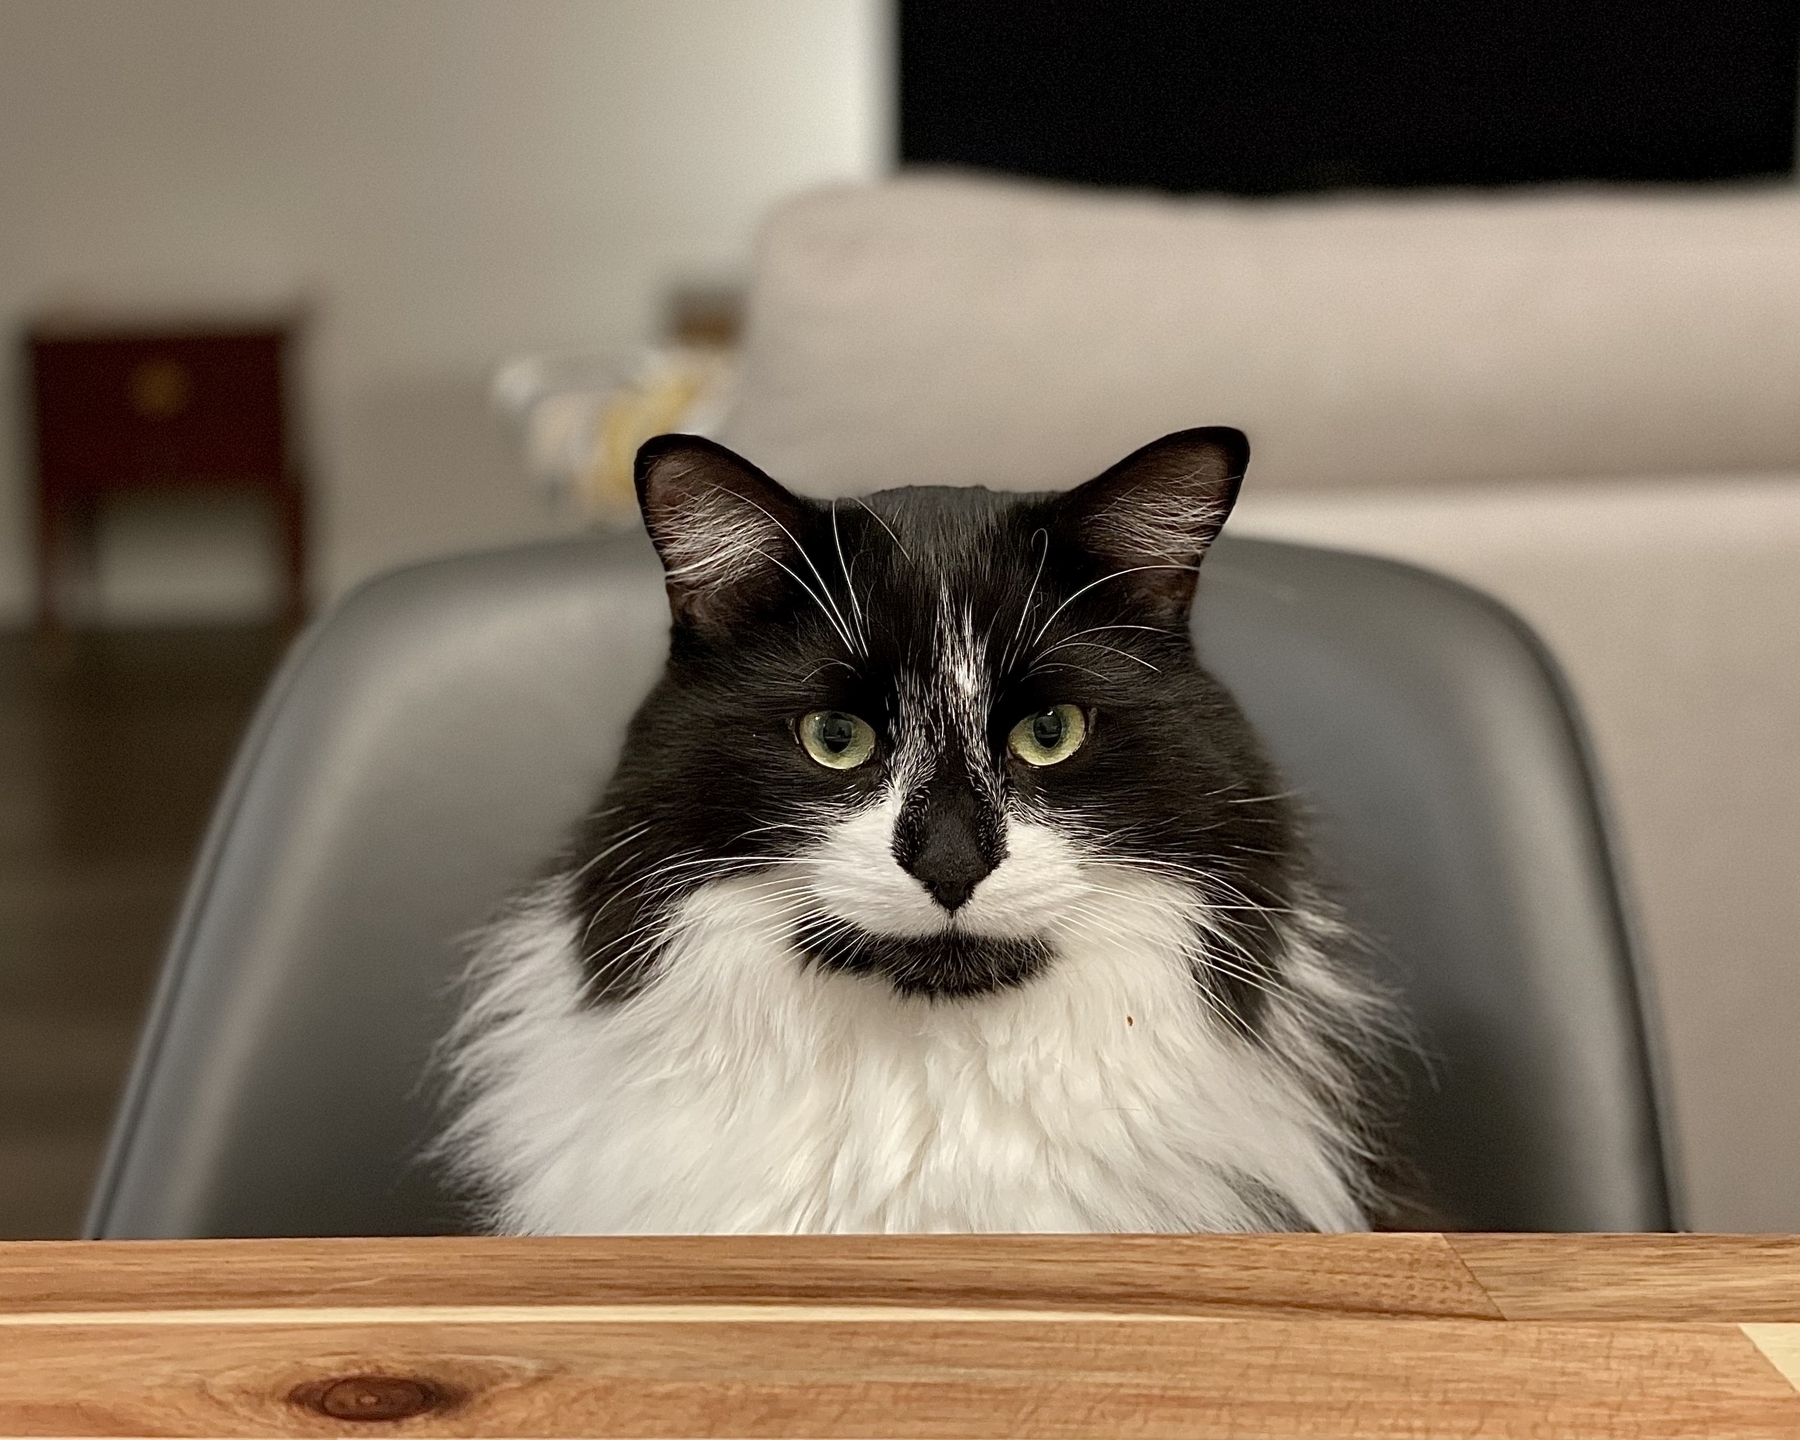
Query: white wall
448	180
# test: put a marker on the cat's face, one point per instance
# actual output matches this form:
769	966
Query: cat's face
945	729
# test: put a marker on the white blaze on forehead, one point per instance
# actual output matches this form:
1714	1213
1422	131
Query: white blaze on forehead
961	658
943	704
960	683
918	743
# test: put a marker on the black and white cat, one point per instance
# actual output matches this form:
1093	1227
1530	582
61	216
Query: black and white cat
938	888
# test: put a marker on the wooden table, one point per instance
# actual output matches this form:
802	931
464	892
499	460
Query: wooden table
1417	1335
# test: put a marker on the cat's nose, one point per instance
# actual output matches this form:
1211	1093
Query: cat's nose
951	889
946	842
950	864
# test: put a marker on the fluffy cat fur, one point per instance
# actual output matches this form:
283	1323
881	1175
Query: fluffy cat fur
943	988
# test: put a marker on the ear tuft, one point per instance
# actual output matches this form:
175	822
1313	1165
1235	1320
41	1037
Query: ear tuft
728	534
1152	516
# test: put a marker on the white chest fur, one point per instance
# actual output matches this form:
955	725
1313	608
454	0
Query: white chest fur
743	1090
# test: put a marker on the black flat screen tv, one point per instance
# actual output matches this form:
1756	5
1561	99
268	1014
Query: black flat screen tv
1284	96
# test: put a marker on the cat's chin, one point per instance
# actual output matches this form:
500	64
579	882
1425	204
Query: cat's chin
949	965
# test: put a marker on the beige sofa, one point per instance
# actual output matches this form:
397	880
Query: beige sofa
1586	404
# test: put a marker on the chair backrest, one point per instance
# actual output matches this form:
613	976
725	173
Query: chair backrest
430	741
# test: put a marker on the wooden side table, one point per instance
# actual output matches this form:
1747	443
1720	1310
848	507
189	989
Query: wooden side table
119	408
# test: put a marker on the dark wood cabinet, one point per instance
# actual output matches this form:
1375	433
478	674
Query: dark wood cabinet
119	409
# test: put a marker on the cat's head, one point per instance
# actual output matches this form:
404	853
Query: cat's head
947	727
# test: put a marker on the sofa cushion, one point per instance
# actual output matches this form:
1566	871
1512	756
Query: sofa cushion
950	329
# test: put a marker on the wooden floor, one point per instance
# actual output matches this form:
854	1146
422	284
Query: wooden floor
112	745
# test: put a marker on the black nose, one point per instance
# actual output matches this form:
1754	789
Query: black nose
950	881
946	841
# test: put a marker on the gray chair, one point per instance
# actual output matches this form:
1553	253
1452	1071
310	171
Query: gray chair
429	741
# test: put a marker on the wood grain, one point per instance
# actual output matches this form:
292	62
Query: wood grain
1099	1376
1220	1274
1637	1277
1388	1335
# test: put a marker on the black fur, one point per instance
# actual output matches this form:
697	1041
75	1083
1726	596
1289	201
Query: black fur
713	779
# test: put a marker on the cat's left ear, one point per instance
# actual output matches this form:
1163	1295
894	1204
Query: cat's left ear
1152	516
729	536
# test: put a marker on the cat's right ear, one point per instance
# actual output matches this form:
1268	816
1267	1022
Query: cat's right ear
728	534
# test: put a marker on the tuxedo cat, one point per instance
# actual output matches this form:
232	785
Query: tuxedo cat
938	888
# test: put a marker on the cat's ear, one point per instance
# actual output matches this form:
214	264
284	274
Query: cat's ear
1152	516
728	534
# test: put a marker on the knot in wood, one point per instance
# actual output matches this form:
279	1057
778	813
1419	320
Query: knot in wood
370	1397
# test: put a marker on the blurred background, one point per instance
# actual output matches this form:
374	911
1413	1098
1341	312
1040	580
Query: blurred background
486	246
429	187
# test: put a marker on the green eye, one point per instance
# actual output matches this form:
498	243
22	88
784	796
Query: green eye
837	740
1050	736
